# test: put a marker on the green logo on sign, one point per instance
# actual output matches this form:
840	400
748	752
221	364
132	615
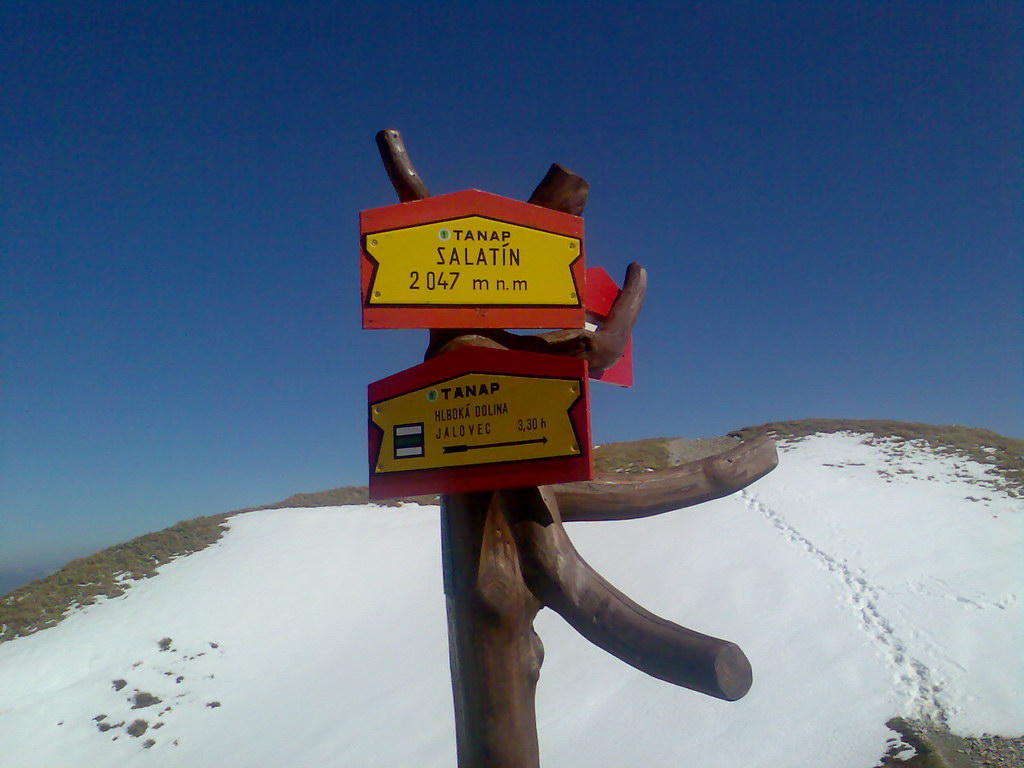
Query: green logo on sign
444	234
431	395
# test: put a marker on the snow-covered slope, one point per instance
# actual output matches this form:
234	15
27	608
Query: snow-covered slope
860	578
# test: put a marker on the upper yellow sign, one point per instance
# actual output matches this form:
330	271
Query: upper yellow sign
472	261
476	418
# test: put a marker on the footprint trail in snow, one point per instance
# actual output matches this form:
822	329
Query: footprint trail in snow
913	678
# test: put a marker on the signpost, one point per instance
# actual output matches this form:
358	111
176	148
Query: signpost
478	419
499	424
471	260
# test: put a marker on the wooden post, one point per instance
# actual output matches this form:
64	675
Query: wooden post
495	655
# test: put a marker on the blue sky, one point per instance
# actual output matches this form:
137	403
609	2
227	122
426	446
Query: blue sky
826	196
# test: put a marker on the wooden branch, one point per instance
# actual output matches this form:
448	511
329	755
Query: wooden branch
409	186
601	348
614	496
564	582
407	183
561	190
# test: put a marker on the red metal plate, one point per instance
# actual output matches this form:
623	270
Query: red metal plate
479	419
601	293
471	259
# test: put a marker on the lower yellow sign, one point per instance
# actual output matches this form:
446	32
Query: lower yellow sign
476	418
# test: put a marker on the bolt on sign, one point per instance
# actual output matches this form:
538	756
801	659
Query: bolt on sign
479	419
471	260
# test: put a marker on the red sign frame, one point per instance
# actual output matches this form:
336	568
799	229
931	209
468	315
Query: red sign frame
484	476
472	202
600	295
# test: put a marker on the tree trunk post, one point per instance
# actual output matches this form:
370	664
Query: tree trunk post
495	655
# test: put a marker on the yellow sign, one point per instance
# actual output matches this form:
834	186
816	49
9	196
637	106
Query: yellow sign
473	261
476	418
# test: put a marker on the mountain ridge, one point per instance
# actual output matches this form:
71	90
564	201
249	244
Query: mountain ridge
44	602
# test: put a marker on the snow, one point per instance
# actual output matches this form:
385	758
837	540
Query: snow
859	588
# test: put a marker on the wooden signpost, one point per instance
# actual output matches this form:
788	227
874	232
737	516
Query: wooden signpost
498	423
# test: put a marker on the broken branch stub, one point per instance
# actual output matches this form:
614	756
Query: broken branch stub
407	183
561	190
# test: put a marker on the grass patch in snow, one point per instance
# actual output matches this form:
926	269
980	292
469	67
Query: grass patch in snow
1003	455
634	456
934	746
143	699
44	602
335	497
339	497
137	728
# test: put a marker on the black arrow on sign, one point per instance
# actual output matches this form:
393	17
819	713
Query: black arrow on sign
464	448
